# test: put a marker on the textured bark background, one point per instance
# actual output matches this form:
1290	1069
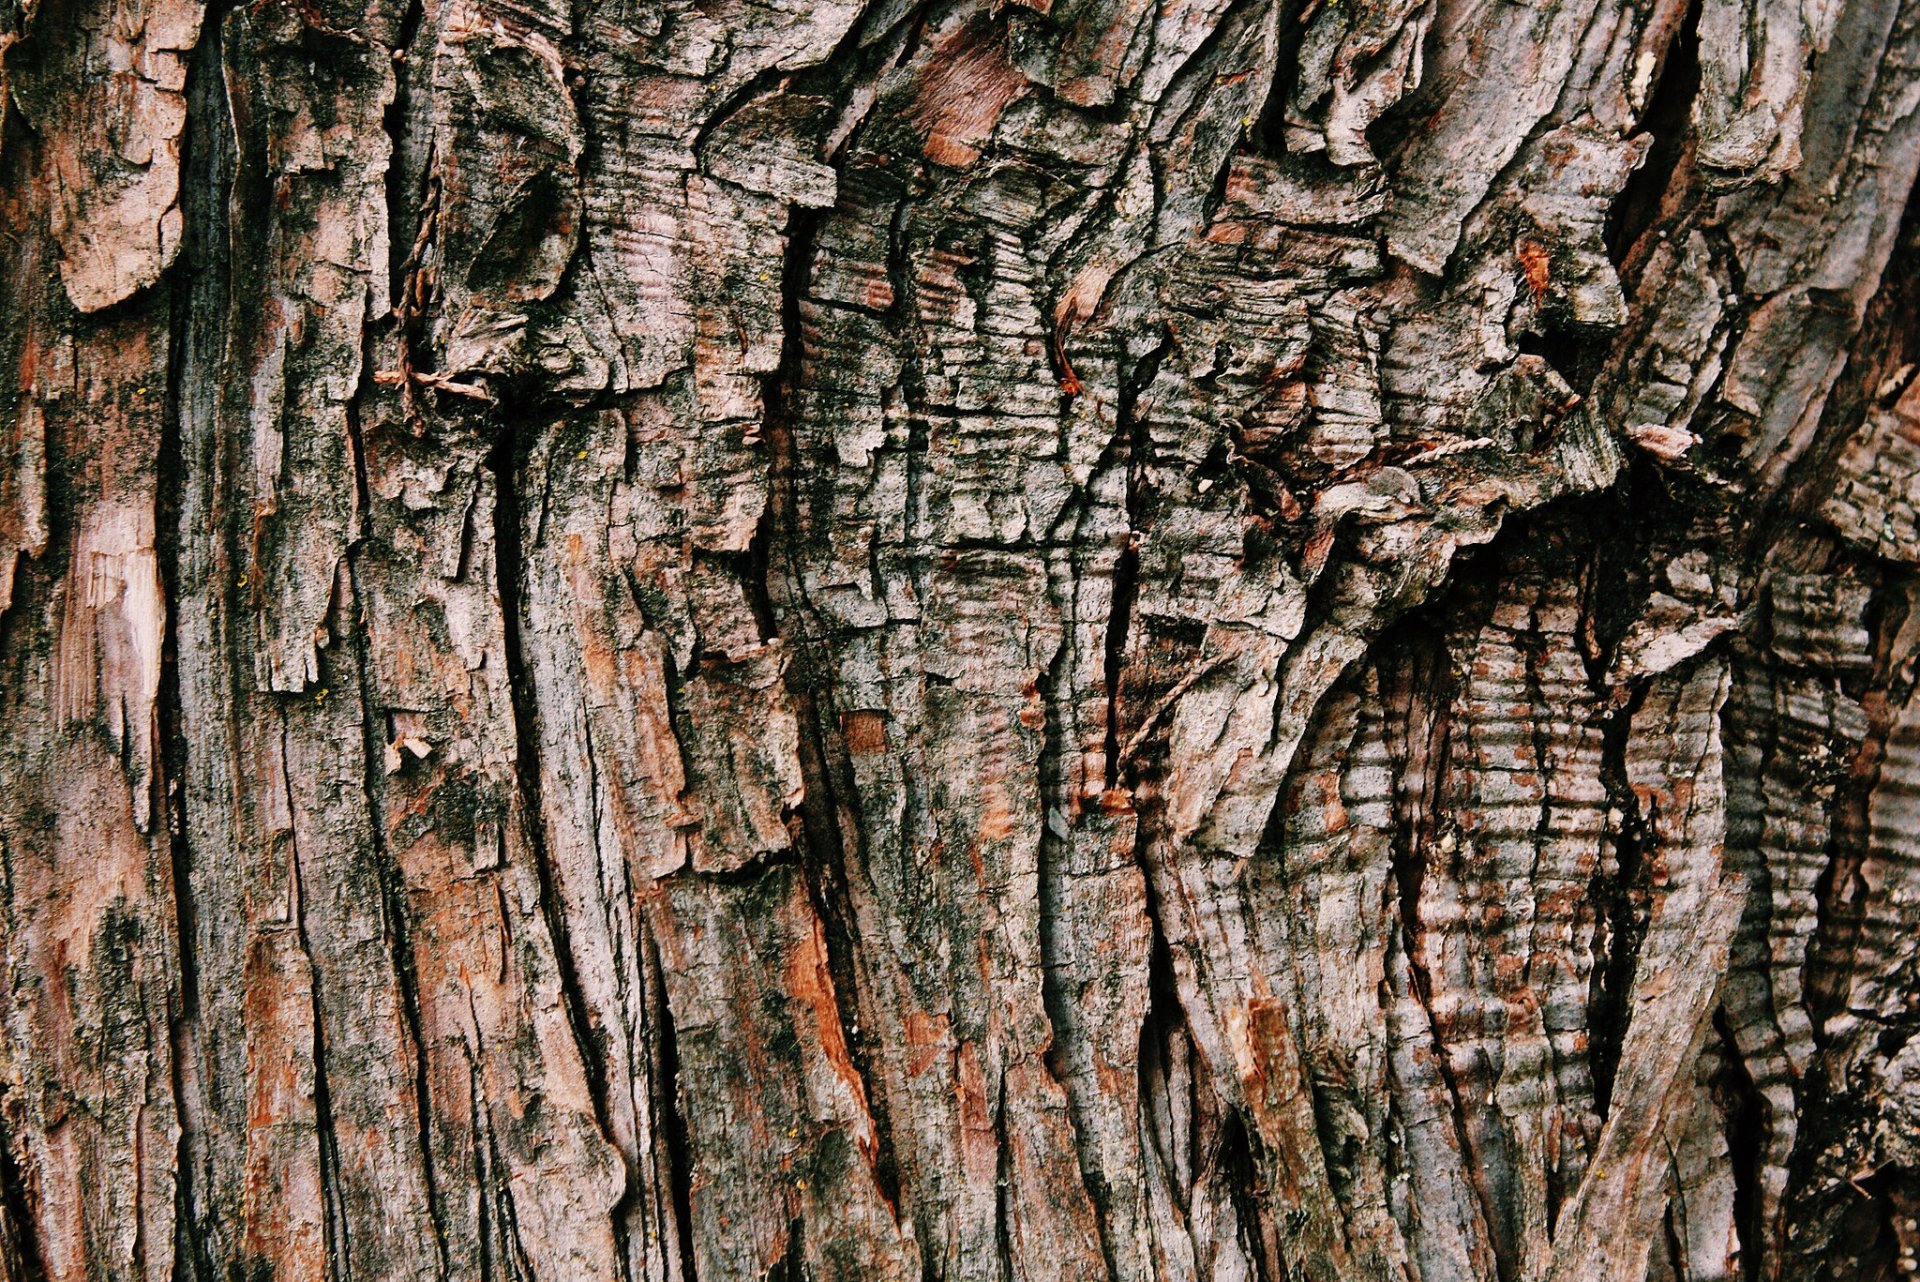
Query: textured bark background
940	640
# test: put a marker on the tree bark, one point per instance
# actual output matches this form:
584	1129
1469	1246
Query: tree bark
918	639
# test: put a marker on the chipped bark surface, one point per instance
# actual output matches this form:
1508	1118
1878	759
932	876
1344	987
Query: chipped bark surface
913	639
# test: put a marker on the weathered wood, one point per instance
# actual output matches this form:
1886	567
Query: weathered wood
905	640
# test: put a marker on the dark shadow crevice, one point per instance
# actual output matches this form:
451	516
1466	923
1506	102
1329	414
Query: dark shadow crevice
19	1245
199	301
1668	118
817	824
673	1110
506	462
1419	685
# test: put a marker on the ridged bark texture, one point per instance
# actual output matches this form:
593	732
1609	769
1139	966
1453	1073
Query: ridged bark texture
959	641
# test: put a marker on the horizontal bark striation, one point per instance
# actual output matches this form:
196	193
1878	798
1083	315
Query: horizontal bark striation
928	640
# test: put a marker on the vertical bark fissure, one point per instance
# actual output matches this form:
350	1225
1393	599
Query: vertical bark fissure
1267	136
339	1241
395	912
781	591
1827	1109
1240	1162
1615	893
509	1212
1744	1112
397	121
19	1243
198	302
1066	1037
1837	892
1126	575
1532	649
505	462
679	1148
1429	694
482	1207
1165	1015
1003	1186
792	1266
396	915
1673	1223
1748	1139
1669	104
1165	1028
1136	438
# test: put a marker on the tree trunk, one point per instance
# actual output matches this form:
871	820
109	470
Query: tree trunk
944	641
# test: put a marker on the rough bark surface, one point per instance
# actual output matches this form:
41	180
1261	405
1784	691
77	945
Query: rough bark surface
1242	640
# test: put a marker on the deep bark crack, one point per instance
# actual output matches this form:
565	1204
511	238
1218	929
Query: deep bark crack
505	463
815	825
